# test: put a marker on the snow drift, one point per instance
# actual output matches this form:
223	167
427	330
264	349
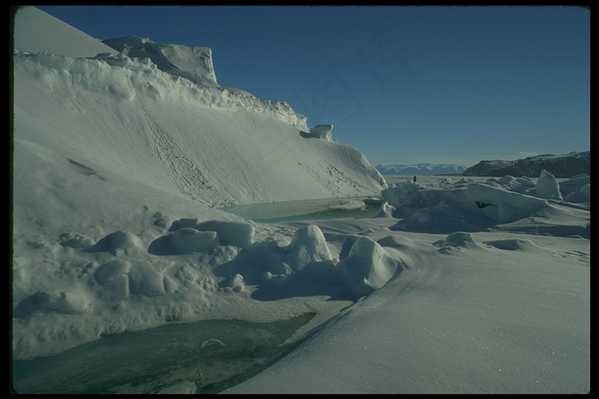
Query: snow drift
111	148
193	63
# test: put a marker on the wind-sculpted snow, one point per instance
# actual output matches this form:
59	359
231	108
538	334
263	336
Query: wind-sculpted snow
547	186
126	78
36	30
210	144
193	63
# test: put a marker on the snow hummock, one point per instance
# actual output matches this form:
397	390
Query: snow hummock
308	245
504	206
367	267
324	132
110	149
582	195
386	210
119	241
548	186
188	239
238	234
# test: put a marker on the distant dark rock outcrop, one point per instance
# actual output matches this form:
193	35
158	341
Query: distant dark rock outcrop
564	165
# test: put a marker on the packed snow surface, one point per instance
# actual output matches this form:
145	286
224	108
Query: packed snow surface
122	161
36	31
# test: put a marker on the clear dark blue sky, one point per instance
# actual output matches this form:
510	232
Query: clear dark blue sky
403	84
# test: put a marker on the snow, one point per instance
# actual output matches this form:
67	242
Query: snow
458	207
367	267
386	210
308	245
239	234
35	31
324	132
180	388
576	189
193	63
457	239
507	206
547	186
123	166
144	122
119	241
484	321
187	240
582	195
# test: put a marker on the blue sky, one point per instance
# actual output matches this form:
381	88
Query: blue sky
402	84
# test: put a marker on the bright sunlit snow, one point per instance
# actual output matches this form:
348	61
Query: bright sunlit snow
148	196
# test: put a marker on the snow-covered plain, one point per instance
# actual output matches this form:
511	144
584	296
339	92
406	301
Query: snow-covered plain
135	182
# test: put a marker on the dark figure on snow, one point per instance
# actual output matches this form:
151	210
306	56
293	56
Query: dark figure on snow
414	180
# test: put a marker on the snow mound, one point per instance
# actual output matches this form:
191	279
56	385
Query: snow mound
548	186
113	276
583	195
109	270
471	207
239	234
523	185
75	240
31	33
324	132
574	184
512	244
236	284
402	194
193	63
308	245
42	302
386	210
185	240
145	280
347	245
255	262
183	223
188	240
367	267
458	239
119	242
395	242
503	206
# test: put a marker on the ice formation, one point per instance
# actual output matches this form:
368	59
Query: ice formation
324	132
193	63
308	245
386	210
367	267
547	186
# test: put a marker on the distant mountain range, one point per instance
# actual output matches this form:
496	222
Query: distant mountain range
561	165
421	169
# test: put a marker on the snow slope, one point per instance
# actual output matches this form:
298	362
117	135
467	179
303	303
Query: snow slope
510	314
209	144
109	148
35	30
